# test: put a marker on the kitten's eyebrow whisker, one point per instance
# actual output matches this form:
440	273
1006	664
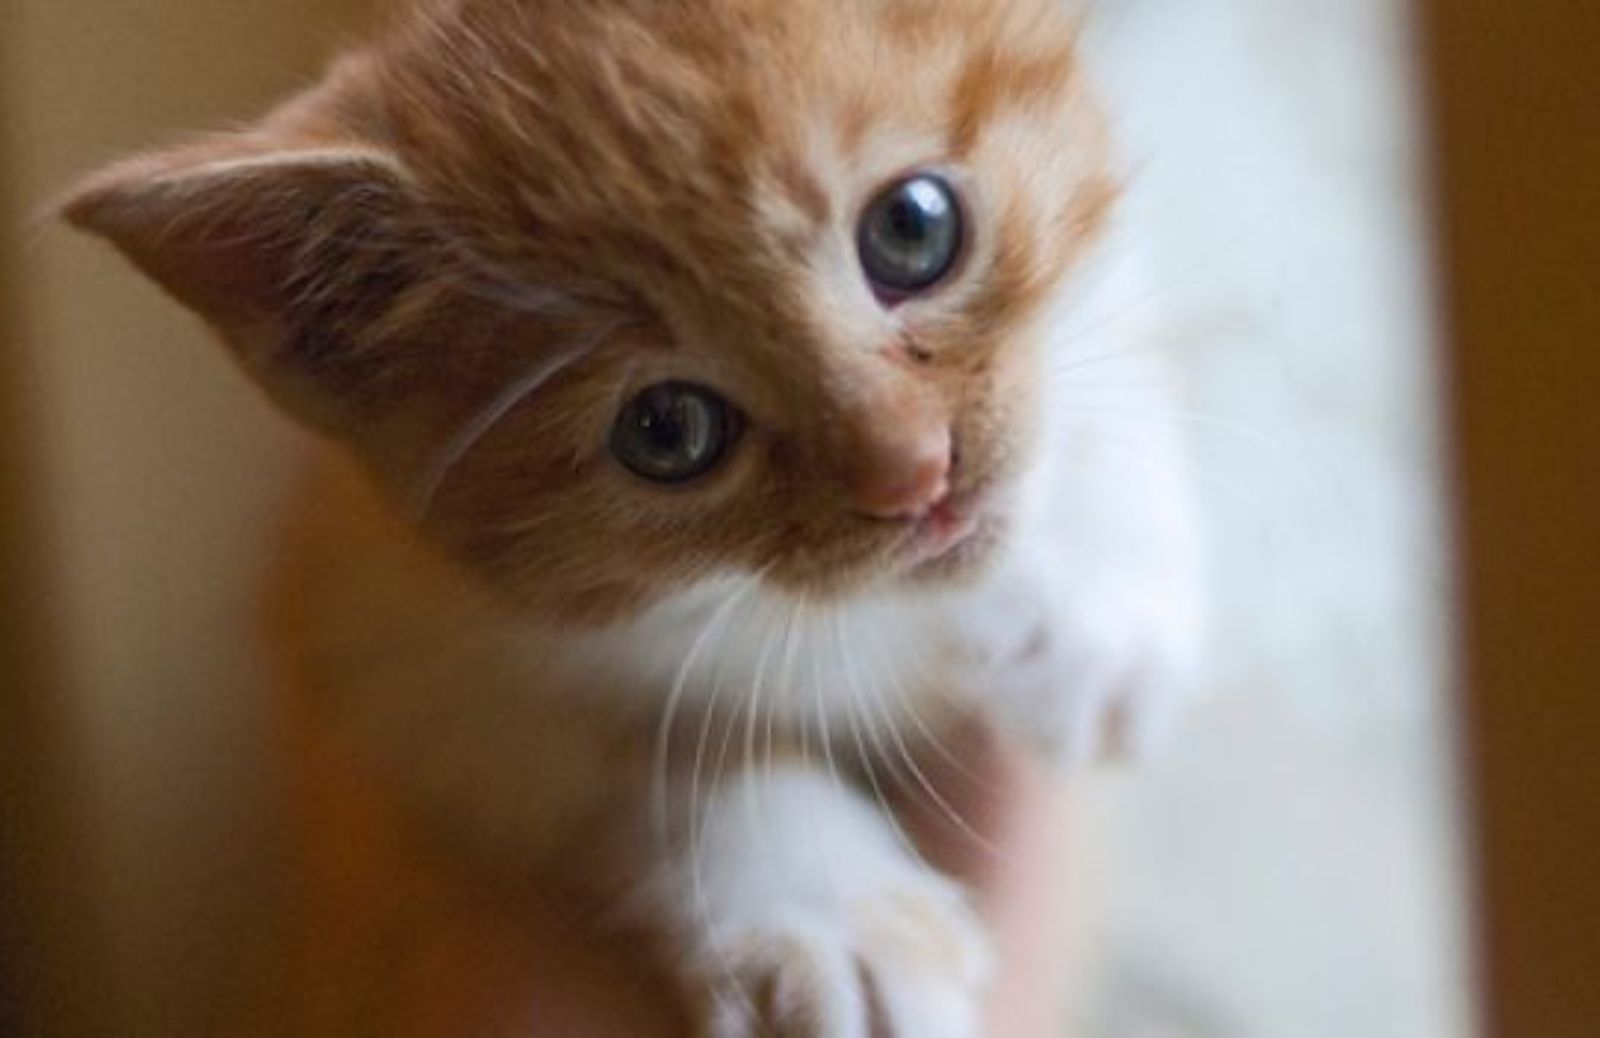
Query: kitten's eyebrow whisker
503	403
497	283
522	299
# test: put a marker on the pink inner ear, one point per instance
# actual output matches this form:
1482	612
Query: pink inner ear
222	226
293	255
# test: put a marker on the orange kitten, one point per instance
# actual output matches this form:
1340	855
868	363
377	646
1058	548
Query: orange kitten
700	362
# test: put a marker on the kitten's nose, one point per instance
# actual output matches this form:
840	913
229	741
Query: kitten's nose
904	473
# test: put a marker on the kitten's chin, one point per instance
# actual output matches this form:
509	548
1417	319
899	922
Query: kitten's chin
956	540
944	553
955	554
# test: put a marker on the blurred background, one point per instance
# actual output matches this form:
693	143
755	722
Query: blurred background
1291	869
147	471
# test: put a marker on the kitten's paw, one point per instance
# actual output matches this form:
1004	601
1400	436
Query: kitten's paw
910	960
1086	677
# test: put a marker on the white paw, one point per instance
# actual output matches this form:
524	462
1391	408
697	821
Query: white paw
1088	676
906	961
802	915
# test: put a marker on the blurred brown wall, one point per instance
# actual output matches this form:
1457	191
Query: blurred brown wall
41	938
137	480
1517	97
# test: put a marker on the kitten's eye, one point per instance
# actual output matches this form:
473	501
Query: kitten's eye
911	235
674	432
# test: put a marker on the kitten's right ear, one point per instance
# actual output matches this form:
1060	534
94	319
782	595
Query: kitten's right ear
279	246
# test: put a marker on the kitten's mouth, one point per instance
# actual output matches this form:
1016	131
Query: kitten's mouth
946	526
951	536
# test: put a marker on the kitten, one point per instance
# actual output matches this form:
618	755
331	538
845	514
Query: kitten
706	371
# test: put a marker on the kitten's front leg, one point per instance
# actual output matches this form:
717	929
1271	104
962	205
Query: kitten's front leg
1089	639
799	912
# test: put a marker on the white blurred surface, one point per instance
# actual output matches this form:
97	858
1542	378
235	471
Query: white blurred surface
1289	869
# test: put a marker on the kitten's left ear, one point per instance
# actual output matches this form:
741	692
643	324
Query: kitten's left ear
221	224
281	246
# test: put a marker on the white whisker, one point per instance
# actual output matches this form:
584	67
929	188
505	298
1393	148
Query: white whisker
857	717
697	834
663	747
823	721
757	702
494	412
934	797
791	642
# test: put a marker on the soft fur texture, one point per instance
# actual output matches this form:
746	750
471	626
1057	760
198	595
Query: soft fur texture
464	251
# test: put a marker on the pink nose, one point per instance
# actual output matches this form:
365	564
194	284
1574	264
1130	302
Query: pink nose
905	475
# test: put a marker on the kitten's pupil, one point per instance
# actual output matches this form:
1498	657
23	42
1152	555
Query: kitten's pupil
673	432
911	236
909	222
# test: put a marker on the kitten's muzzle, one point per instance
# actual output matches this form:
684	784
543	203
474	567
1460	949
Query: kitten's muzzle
904	475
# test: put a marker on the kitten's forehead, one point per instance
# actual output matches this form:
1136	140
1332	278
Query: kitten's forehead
613	121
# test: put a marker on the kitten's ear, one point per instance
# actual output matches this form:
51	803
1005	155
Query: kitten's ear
275	245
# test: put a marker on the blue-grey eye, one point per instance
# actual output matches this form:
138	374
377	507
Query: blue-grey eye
674	432
911	235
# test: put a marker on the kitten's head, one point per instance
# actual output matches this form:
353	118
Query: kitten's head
621	294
